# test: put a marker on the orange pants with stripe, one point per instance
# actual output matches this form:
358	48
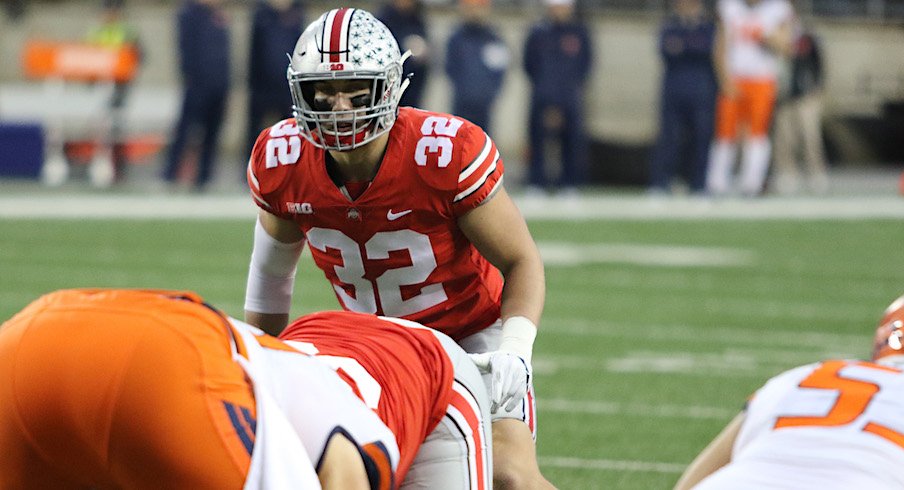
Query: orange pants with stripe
752	107
122	389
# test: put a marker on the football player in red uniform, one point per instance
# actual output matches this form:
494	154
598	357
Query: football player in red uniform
404	212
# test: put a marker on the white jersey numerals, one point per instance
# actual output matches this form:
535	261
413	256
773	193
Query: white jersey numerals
369	389
438	133
387	287
284	145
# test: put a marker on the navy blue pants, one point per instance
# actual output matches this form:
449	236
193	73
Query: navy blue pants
571	138
686	125
202	112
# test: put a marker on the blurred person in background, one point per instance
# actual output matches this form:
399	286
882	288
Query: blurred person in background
752	39
275	26
114	32
205	65
687	98
798	120
405	19
476	61
558	54
14	9
830	425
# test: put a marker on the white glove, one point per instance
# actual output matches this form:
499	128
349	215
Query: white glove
509	376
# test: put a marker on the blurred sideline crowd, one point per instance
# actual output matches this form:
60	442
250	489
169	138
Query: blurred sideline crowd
742	82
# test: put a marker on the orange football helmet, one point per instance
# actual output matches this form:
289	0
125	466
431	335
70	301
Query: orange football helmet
889	340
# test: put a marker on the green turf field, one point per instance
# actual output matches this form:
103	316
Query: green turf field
654	331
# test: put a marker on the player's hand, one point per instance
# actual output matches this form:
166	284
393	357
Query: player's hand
509	377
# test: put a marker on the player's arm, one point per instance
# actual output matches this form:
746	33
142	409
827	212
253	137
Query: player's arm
780	40
716	455
342	467
498	231
271	275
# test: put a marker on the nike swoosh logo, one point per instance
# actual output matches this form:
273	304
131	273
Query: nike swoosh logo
394	216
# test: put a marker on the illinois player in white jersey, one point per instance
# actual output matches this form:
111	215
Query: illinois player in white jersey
405	213
752	38
832	425
156	389
422	385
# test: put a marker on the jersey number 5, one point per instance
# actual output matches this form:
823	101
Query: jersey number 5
854	396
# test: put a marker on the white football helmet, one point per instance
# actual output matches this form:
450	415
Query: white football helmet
888	344
346	44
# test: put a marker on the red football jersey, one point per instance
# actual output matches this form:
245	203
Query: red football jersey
406	378
396	250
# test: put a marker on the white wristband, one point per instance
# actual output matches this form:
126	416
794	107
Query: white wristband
518	334
271	274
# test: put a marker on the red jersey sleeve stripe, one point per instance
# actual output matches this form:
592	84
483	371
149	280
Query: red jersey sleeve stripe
260	201
474	165
495	188
252	179
480	182
255	187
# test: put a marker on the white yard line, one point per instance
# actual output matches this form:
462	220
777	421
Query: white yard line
646	208
44	203
707	365
563	253
561	405
611	465
734	336
133	206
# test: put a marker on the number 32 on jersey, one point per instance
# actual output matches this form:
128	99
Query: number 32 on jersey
437	139
284	145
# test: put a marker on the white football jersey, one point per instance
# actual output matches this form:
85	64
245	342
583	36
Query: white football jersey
745	25
833	425
301	403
